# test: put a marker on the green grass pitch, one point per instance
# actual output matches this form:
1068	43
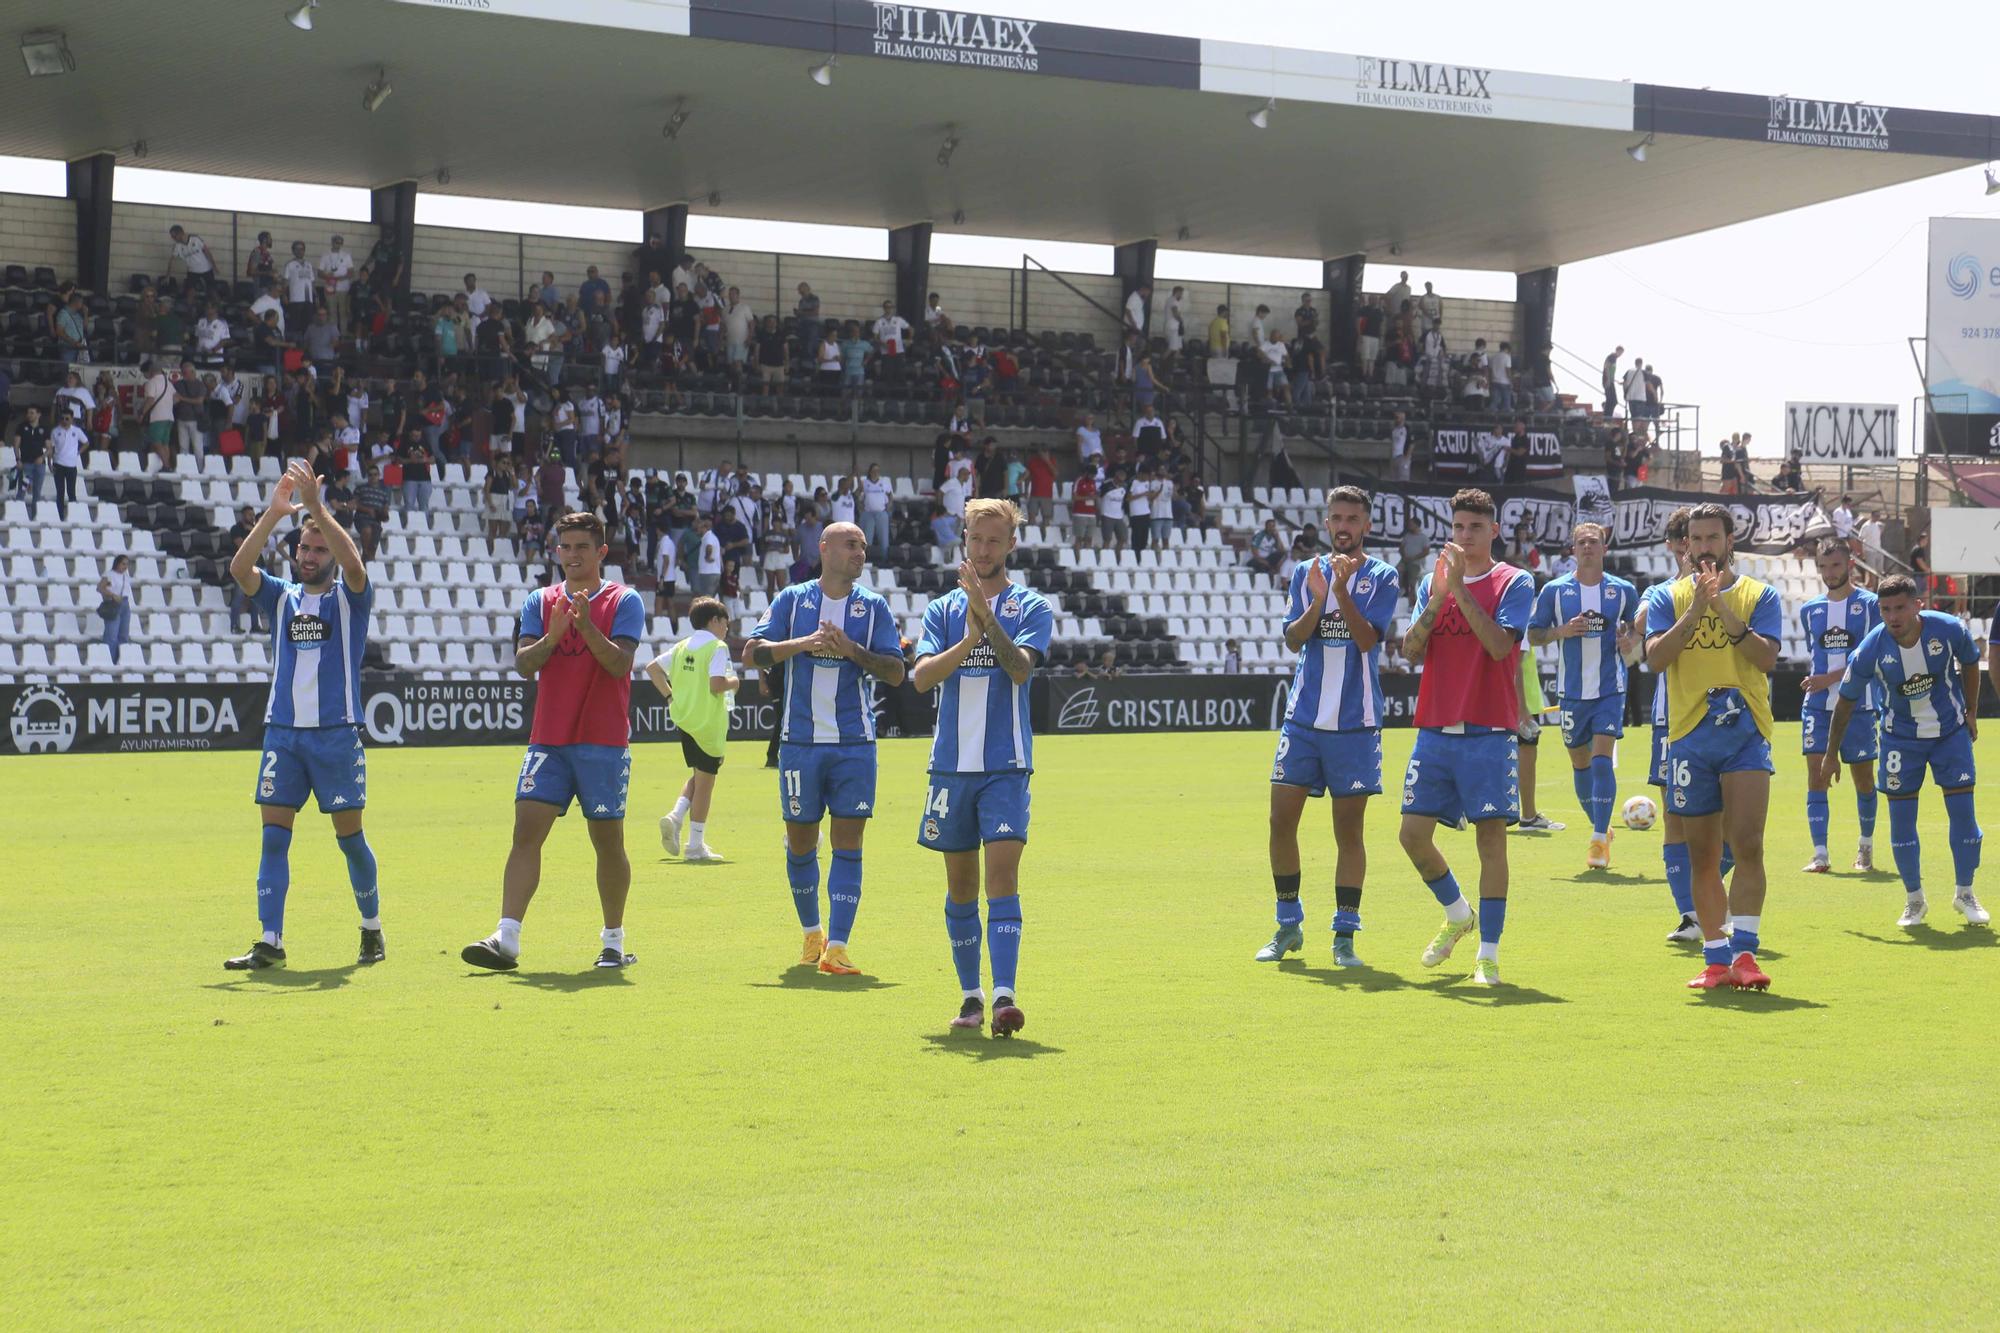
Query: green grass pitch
1181	1138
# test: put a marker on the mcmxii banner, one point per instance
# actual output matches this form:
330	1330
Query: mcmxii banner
1637	517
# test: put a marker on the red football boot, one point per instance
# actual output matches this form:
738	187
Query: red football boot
1713	977
1745	973
1007	1016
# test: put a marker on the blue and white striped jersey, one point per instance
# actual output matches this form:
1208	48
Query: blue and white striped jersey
1334	686
982	721
317	640
1834	628
1589	666
1921	694
828	699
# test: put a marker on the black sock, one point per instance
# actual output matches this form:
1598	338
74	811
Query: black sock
1346	898
1287	886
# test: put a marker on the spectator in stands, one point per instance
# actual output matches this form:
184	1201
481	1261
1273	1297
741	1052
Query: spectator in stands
1842	519
417	460
1500	373
936	322
500	484
1398	292
494	342
1040	472
1145	384
1105	668
1656	402
1218	333
1869	533
956	489
989	471
1083	508
262	265
806	313
191	253
1430	307
322	341
1175	321
268	344
1634	386
1163	508
383	269
593	301
1190	501
1742	451
1433	361
1638	458
73	330
1307	363
1517	454
734	534
1732	480
943	526
1267	549
1478	389
1113	493
104	410
1400	356
773	356
827	360
267	302
1791	477
31	453
546	341
1277	362
1260	325
855	354
1412	553
114	604
156	409
300	279
805	542
240	604
336	281
738	322
211	335
1089	442
190	405
1611	380
1139	506
1399	448
1920	568
73	399
1368	325
1232	657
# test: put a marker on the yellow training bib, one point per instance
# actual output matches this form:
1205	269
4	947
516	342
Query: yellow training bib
1710	661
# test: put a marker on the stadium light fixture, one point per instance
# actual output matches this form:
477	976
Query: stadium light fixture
1637	152
377	92
1992	181
46	53
948	147
1261	117
302	17
672	129
822	73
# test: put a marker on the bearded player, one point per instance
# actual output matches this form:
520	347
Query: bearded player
1715	635
1471	614
1332	739
312	744
576	641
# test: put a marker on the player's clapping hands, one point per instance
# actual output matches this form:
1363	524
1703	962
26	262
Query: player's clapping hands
560	617
833	639
1344	567
976	610
305	485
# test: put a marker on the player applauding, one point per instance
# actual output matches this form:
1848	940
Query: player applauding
832	636
1332	738
1471	613
981	642
1928	668
319	629
576	639
1590	614
1716	638
1835	623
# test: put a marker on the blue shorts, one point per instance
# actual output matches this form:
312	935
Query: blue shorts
597	776
1656	770
1857	745
819	780
963	810
1901	769
1477	776
327	762
1697	761
1346	763
1583	719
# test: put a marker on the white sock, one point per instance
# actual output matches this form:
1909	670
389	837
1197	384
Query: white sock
274	939
509	935
1819	851
1865	845
1490	950
978	995
680	809
1001	997
1914	895
1748	923
614	938
1459	910
371	923
695	830
1720	943
1964	890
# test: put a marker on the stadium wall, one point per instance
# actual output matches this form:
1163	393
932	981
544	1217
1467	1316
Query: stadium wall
36	230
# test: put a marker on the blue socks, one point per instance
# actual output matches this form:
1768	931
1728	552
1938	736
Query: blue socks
1965	836
803	872
274	879
1816	818
1728	859
1492	919
1445	889
1717	953
961	925
361	874
1584	781
843	894
1604	787
1903	841
1680	876
1291	911
1003	941
1864	809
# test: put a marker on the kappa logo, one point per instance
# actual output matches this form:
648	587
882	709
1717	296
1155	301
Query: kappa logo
1004	828
1488	808
601	809
860	805
1963	777
340	800
1358	785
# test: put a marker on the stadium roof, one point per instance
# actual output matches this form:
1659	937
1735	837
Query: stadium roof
1066	133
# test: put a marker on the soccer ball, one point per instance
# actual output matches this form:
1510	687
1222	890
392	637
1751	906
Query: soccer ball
1640	812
